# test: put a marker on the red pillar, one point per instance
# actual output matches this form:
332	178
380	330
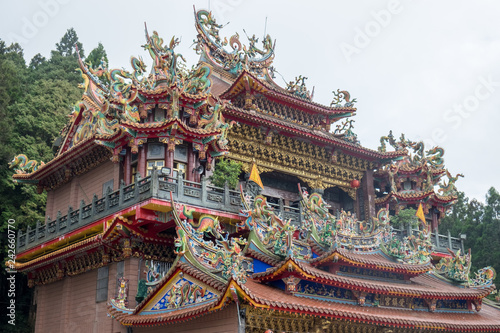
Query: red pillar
141	163
369	194
169	160
191	176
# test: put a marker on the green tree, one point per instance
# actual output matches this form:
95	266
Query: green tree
66	47
226	171
94	59
96	55
405	217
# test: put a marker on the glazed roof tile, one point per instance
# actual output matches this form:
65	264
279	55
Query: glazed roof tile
487	319
415	196
424	285
262	257
374	259
161	318
218	85
168	123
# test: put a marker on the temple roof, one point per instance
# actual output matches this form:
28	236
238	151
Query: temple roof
247	81
424	285
277	299
374	260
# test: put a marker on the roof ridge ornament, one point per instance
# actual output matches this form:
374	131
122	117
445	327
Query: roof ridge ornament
213	48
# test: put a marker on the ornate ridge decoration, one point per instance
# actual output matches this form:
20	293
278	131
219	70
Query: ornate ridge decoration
345	132
268	231
222	258
342	230
345	231
457	269
342	95
241	57
417	174
298	88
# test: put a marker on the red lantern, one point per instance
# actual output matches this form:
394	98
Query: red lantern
354	183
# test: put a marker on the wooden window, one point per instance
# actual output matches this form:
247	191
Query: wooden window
154	163
102	284
179	168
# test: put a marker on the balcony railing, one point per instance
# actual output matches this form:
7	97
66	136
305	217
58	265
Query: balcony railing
159	187
441	242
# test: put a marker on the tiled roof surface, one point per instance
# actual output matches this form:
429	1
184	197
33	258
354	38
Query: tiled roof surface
376	259
424	285
218	85
160	318
487	319
283	93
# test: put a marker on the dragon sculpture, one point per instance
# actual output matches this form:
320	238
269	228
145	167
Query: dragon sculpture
206	224
344	95
269	231
449	188
298	88
402	144
457	268
345	131
21	164
221	257
239	57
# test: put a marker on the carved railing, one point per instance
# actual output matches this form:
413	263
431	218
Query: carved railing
158	186
441	242
155	186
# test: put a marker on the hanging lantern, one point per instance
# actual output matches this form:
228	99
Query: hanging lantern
355	183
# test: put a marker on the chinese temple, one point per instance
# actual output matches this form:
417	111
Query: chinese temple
138	239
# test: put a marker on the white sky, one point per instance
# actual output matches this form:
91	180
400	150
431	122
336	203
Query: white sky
429	69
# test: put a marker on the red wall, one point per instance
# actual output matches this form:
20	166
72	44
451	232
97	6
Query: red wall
69	305
80	188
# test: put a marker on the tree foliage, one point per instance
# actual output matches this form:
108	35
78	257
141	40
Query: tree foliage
226	171
405	217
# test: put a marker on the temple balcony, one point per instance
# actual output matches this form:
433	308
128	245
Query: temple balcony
158	186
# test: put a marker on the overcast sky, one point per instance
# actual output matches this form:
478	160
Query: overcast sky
429	69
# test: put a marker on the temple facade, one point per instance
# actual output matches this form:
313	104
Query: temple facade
138	239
